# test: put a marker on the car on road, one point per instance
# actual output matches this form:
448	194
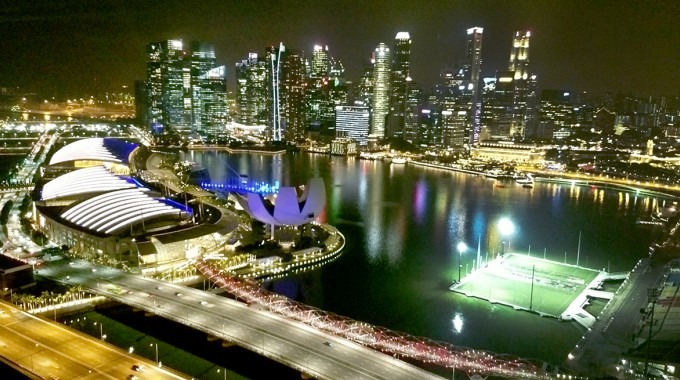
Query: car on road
138	368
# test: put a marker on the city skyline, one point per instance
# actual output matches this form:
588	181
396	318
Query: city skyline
76	46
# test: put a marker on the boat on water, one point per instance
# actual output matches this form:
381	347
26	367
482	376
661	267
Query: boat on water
398	160
527	181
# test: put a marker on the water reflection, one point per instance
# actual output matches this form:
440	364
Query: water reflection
402	225
457	323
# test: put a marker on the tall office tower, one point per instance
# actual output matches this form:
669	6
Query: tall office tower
414	95
352	122
273	57
454	94
168	88
428	125
208	91
320	63
556	117
325	89
337	85
473	63
519	66
293	85
364	90
499	107
519	55
531	121
251	78
381	91
316	93
400	77
210	102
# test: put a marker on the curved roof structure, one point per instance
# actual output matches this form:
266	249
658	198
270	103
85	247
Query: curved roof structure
288	209
94	149
115	211
84	181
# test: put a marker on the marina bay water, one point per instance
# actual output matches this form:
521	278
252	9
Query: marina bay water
403	224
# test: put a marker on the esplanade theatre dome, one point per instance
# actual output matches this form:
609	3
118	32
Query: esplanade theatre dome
95	207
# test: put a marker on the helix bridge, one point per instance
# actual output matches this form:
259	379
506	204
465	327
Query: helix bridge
419	349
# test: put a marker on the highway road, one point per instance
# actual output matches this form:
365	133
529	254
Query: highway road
292	343
52	351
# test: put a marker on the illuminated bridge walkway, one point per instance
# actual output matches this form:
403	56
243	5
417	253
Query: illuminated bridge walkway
378	338
241	186
311	351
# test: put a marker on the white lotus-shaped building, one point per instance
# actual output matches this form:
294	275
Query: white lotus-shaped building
286	208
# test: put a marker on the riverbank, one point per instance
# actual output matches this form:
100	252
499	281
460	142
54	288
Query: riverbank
644	188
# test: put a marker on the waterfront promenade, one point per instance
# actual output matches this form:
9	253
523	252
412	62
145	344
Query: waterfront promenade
601	346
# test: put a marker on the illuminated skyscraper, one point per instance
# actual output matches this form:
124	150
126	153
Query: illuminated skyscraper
352	122
519	66
401	56
381	91
293	95
320	64
413	102
168	88
251	79
473	64
325	89
273	58
185	90
519	55
208	91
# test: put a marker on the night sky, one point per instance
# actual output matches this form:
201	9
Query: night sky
72	47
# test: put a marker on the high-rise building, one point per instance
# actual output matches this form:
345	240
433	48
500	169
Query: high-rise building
320	108
472	66
208	91
364	90
381	91
454	107
185	89
400	78
352	122
414	95
499	107
519	55
293	85
273	59
556	114
168	88
251	80
519	66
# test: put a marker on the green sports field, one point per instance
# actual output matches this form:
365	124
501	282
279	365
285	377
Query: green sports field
508	280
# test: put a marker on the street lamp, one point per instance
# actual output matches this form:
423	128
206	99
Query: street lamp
101	331
223	370
461	248
156	345
506	228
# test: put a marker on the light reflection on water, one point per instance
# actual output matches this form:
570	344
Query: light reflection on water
402	225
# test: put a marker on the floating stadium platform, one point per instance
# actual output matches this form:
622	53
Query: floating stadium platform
541	286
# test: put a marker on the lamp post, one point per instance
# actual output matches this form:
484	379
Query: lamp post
224	370
156	345
101	331
506	228
461	248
